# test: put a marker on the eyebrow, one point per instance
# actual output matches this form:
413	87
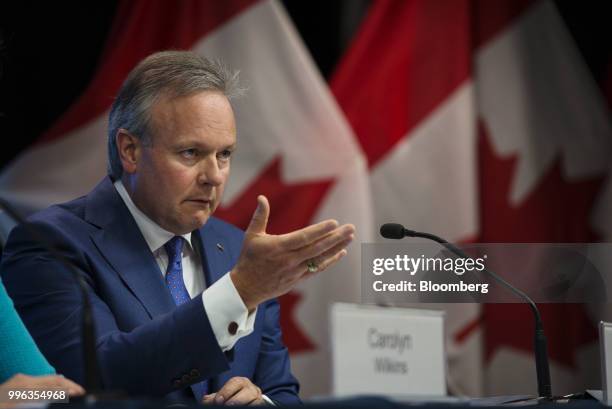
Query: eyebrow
189	144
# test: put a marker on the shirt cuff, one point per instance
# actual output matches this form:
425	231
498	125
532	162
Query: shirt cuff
268	400
228	316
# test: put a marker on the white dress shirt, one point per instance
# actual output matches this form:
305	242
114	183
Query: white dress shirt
222	303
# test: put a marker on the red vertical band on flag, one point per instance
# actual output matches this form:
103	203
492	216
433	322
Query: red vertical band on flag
408	57
142	27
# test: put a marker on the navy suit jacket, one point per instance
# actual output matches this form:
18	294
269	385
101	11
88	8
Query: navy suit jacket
145	344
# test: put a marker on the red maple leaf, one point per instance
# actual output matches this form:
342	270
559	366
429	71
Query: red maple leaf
292	207
556	210
294	337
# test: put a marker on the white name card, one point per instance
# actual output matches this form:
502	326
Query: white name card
397	352
605	345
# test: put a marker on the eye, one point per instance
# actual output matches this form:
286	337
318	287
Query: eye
188	153
225	154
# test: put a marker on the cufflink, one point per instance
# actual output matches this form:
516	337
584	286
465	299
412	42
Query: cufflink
232	328
220	247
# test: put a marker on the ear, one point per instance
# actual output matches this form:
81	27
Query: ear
128	147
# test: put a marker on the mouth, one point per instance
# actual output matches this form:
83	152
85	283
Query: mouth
200	202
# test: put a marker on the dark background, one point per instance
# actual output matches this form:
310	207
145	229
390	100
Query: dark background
49	51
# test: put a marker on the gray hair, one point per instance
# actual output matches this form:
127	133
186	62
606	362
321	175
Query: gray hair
170	74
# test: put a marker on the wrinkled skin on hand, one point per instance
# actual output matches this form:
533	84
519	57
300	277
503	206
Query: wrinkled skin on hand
236	391
271	265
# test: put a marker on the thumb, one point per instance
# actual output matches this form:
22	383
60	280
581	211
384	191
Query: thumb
259	221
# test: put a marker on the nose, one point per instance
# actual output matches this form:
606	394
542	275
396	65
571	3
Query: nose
210	173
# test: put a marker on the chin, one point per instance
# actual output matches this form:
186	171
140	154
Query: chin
201	220
185	226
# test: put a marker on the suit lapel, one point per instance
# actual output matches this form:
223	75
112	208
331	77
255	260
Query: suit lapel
120	241
215	259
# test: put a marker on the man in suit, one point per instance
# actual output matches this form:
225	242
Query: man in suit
184	304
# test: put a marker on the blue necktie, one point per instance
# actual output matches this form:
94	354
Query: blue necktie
176	285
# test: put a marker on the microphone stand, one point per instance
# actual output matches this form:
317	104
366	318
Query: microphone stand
540	348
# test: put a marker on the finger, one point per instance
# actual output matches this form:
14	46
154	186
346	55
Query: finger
307	235
244	397
74	389
326	243
318	261
259	220
259	400
209	399
231	387
326	263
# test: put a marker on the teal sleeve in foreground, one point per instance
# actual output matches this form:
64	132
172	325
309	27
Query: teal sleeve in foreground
18	352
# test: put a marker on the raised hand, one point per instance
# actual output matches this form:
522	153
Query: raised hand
271	265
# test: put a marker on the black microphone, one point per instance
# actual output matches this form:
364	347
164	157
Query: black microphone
397	231
90	363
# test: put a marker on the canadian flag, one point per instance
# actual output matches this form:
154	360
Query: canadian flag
481	123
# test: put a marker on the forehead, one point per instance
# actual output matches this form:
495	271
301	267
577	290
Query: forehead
206	116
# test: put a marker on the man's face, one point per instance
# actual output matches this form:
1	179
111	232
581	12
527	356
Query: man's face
179	177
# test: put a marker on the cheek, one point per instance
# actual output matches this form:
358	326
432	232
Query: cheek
180	181
167	176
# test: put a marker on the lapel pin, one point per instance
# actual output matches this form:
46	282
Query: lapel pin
220	247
